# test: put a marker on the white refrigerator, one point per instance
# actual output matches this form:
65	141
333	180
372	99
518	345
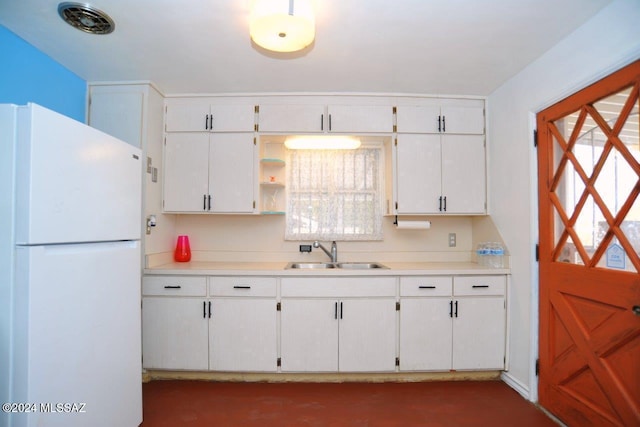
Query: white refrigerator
71	204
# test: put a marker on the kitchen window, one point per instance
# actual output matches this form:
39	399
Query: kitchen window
335	194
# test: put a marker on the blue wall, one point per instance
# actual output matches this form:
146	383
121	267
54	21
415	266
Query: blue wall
28	75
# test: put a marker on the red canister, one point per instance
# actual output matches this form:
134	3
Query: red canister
183	250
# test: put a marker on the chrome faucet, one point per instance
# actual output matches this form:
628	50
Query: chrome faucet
334	250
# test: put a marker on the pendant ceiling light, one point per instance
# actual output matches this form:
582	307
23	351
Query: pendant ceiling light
282	25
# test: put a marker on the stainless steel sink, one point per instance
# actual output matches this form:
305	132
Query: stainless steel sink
360	265
314	265
343	265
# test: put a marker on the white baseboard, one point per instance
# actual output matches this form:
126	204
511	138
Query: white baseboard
517	385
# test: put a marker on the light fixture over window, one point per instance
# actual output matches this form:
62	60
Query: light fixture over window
322	142
282	25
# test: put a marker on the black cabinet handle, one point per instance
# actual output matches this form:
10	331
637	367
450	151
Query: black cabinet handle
480	286
209	199
341	302
335	312
211	122
209	309
445	204
426	287
241	287
204	202
206	122
439	128
321	121
450	308
440	204
444	124
329	122
173	287
204	309
456	313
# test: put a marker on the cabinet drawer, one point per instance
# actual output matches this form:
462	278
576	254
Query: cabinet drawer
188	286
337	287
479	285
242	286
426	286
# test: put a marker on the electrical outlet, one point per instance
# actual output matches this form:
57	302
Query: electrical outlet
452	240
305	248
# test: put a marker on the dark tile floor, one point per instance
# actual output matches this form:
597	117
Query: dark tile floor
428	404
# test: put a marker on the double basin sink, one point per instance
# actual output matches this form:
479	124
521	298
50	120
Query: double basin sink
339	265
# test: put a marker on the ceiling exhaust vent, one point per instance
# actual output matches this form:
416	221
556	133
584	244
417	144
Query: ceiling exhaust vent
86	18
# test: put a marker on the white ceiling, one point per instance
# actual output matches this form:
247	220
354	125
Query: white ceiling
397	46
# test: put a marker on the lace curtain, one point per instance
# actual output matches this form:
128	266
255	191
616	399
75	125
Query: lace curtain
334	194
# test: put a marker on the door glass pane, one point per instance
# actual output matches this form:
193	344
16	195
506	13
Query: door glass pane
610	164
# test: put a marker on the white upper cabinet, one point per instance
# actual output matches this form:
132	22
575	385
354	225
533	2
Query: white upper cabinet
440	174
463	174
316	118
440	165
418	173
359	119
186	174
200	115
209	173
461	116
291	118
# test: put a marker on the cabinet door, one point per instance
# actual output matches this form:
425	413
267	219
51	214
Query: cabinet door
425	334
174	333
231	172
187	115
418	174
291	118
463	173
309	335
119	114
232	118
463	119
186	172
242	335
418	119
360	119
367	335
479	333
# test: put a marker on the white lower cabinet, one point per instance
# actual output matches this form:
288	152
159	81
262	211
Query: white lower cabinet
367	339
309	335
233	329
327	327
425	334
479	322
174	323
325	324
452	323
243	324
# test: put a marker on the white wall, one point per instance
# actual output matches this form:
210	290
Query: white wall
261	238
608	41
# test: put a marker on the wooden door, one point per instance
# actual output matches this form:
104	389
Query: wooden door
589	180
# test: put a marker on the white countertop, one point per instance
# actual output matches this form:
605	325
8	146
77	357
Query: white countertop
278	269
